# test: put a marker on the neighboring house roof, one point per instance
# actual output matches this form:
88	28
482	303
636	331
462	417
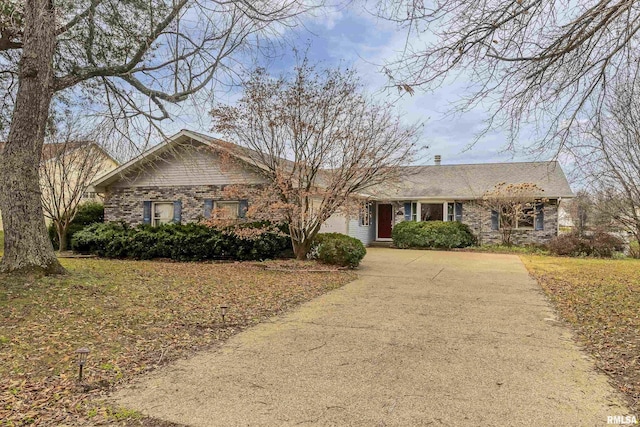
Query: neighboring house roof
462	182
471	181
52	150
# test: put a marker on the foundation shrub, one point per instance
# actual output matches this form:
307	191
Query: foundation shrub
432	234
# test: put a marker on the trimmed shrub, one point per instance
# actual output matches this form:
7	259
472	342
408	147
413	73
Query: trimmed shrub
88	213
432	234
188	242
338	249
95	238
600	244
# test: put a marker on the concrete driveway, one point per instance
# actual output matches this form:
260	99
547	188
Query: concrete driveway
421	339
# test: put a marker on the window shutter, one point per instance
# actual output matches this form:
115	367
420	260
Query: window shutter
146	212
208	208
177	211
407	211
495	220
458	211
243	206
539	216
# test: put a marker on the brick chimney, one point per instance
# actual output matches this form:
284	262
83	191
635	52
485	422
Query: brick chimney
437	160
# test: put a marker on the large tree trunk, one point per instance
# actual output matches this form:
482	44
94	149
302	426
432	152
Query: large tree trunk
27	247
301	249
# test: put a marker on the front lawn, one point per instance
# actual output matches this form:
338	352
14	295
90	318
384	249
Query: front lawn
133	316
601	299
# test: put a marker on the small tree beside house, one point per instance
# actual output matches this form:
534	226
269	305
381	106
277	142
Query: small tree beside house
513	206
66	172
319	141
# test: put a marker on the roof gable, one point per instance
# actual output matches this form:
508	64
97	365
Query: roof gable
159	160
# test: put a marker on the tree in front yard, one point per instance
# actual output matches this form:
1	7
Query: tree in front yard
130	60
319	141
610	158
67	170
512	206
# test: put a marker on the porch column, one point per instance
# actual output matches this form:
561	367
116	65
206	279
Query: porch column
445	211
418	211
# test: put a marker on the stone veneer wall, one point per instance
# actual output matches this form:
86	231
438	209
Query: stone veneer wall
126	204
478	219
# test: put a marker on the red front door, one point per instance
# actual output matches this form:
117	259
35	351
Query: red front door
385	218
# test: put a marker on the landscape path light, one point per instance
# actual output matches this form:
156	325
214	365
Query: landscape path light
223	312
82	354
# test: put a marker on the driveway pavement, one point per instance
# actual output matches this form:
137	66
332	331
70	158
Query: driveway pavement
421	339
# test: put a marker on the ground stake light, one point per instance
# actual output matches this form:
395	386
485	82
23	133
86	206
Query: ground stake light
223	312
81	354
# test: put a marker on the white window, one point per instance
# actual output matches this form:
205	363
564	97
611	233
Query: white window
89	195
365	214
451	213
162	213
227	210
525	221
527	218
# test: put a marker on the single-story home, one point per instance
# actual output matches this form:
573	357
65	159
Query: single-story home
183	179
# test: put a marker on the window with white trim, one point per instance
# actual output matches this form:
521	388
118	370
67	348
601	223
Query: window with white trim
451	213
525	221
162	213
227	209
365	214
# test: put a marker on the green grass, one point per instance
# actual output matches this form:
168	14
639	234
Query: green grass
601	299
133	316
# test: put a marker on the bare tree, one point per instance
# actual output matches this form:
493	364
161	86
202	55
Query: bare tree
609	156
318	140
548	63
514	205
580	210
67	169
137	58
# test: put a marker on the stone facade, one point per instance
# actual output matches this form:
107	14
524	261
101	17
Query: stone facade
478	219
126	204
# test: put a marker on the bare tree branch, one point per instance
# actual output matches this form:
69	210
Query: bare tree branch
548	64
319	141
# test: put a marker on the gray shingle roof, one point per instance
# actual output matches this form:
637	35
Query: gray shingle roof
471	181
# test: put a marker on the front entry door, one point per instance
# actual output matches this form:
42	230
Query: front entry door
385	219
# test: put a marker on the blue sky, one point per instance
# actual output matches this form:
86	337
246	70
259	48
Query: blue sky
357	39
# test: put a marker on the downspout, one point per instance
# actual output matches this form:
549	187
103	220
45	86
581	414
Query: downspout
557	216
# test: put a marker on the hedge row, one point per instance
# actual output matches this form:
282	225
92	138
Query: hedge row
183	242
432	234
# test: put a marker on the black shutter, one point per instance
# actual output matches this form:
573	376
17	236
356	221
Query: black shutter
177	211
495	220
458	211
539	216
146	212
208	208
